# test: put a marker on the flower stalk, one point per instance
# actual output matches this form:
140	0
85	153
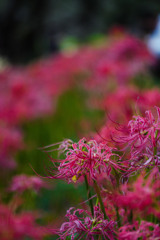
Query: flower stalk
89	195
96	187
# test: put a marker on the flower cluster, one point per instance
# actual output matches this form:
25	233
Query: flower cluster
122	61
22	182
121	201
86	158
19	226
81	225
144	230
143	140
141	196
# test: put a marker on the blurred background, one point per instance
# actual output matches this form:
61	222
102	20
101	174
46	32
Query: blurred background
64	67
32	29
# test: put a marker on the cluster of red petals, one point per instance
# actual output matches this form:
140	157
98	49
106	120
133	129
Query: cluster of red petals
19	226
143	230
141	195
141	139
22	97
129	100
81	225
121	61
120	105
86	158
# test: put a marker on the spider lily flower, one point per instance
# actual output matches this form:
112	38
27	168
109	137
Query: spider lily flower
143	140
19	225
84	226
140	197
85	158
136	196
22	182
11	141
144	230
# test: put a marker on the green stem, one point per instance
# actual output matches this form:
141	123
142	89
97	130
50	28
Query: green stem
130	218
118	217
100	199
89	196
117	177
99	237
155	148
153	219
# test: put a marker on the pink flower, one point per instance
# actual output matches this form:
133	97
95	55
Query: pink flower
10	142
84	226
144	230
141	197
143	140
136	196
20	183
19	226
85	158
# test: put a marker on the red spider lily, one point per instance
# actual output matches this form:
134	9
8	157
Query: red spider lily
86	158
10	141
84	226
144	230
22	182
22	97
137	196
143	140
121	104
19	226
